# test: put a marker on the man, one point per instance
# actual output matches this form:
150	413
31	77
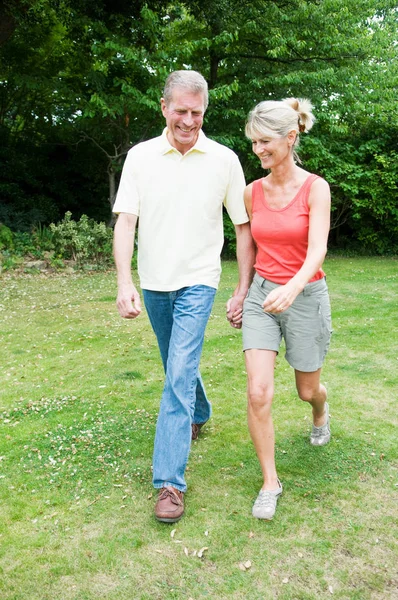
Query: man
176	184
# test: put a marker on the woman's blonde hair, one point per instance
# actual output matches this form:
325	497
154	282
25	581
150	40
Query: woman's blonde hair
275	118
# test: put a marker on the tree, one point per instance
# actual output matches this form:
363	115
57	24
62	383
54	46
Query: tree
89	75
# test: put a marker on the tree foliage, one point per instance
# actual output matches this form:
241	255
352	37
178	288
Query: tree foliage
80	82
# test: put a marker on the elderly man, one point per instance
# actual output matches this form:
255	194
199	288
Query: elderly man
176	185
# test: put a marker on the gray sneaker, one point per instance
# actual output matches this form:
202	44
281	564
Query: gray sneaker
265	505
320	436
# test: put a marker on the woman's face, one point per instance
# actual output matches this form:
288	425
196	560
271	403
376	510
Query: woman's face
273	151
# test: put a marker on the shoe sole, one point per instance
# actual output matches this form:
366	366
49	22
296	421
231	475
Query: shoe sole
167	520
263	518
322	444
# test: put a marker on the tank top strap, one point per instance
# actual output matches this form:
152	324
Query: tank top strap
303	194
308	182
306	187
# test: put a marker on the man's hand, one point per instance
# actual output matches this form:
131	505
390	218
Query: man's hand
234	311
128	301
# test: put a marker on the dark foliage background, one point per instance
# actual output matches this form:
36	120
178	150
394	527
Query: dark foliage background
80	83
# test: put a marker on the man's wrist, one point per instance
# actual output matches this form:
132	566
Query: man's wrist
241	294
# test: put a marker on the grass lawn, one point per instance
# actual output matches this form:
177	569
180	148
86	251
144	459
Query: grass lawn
79	394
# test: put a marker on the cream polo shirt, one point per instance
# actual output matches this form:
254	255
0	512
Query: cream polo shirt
179	201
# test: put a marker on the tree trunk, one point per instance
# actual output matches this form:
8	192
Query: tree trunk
112	191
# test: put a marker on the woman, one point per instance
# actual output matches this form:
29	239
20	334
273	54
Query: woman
289	211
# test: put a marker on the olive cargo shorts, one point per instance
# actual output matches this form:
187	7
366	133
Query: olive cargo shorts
306	325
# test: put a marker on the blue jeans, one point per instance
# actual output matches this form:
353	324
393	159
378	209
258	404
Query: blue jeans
179	320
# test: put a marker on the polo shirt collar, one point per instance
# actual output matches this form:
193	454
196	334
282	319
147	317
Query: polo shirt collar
200	146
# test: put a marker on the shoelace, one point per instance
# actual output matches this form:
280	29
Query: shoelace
172	495
266	499
319	431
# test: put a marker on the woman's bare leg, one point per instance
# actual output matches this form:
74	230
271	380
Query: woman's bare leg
312	391
260	365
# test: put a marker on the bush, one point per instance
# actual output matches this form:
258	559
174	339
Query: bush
6	238
83	240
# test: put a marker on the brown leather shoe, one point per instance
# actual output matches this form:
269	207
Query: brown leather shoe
169	507
196	427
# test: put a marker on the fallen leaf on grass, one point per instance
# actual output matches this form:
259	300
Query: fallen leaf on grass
201	551
245	566
251	534
186	551
172	534
285	580
158	551
330	589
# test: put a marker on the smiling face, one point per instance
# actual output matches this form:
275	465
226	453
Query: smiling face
274	151
184	118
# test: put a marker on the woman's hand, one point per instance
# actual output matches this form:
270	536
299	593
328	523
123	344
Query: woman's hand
280	299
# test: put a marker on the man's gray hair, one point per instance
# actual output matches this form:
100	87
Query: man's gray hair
192	81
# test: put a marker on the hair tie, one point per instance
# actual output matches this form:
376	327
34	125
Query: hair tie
301	126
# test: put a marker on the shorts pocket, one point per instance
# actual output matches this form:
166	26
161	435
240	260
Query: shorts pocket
325	315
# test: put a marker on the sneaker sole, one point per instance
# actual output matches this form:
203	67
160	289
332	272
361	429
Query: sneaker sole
263	518
313	443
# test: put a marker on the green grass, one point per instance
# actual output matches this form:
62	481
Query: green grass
79	394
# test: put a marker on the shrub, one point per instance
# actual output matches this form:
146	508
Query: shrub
6	238
83	240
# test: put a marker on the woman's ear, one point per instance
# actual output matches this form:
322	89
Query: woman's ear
291	137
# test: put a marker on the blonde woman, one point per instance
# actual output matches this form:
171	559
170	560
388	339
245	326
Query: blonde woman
289	210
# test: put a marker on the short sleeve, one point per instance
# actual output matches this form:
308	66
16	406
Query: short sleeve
234	202
127	198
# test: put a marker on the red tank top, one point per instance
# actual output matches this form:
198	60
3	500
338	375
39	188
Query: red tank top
281	235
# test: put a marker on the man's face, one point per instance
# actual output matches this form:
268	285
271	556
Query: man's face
184	118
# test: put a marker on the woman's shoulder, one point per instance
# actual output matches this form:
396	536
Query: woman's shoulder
252	185
314	181
248	192
318	182
319	191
